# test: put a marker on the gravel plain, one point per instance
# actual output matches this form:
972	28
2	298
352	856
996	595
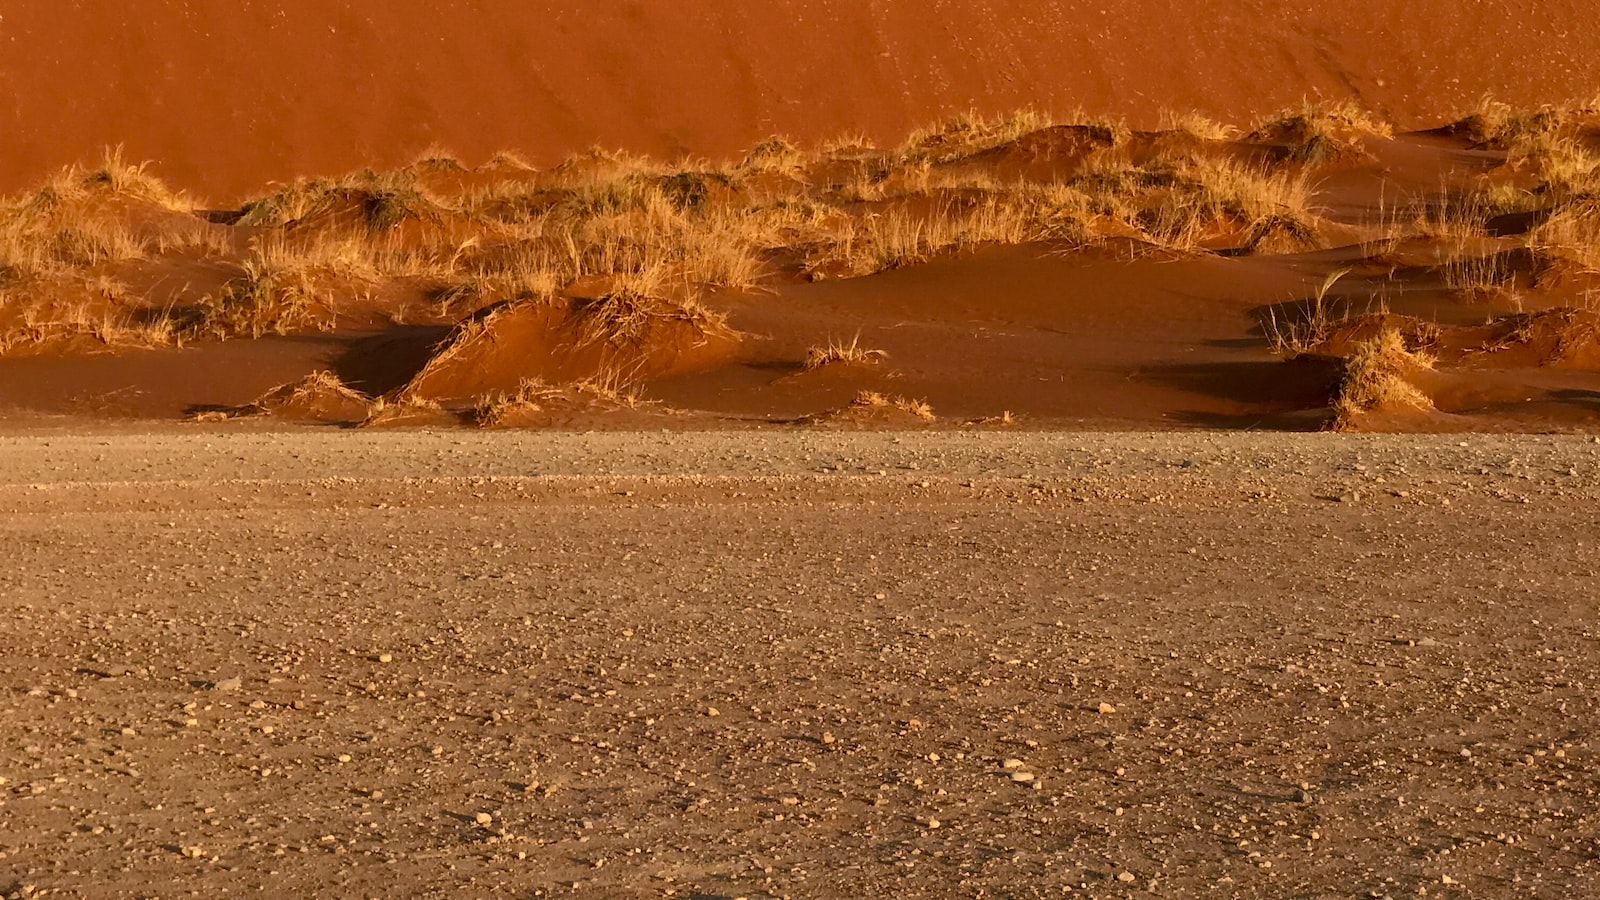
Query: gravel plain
778	664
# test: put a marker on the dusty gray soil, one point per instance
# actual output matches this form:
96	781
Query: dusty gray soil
752	665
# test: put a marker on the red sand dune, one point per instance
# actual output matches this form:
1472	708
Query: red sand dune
227	94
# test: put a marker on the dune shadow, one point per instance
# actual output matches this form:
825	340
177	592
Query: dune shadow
1578	396
1299	383
1258	394
382	363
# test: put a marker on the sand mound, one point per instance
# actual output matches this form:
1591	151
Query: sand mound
1379	380
622	334
1560	338
1556	338
871	409
409	412
319	397
538	405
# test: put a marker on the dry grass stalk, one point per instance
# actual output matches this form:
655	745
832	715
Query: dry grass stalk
1312	327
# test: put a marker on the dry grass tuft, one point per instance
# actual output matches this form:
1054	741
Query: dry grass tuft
637	306
775	155
533	398
1316	133
1197	126
386	412
116	175
1377	377
838	352
320	395
284	286
1312	328
874	401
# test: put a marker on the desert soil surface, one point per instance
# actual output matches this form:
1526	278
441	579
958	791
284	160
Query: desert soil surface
762	664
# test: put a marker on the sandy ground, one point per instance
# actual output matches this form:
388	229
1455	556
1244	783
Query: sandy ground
807	665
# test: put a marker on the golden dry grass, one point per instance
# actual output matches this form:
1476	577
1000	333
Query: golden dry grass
534	397
872	401
1377	376
459	240
838	352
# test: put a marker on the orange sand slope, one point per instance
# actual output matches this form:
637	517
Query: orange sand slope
231	93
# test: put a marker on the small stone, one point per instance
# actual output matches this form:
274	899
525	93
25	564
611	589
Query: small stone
1446	879
828	738
228	684
713	712
1107	709
344	757
385	657
1126	878
932	824
1301	796
1022	777
1010	764
483	818
267	729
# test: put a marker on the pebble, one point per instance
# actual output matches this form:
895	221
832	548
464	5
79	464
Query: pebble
385	658
1022	777
228	684
1126	877
1011	764
933	823
484	818
1107	709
